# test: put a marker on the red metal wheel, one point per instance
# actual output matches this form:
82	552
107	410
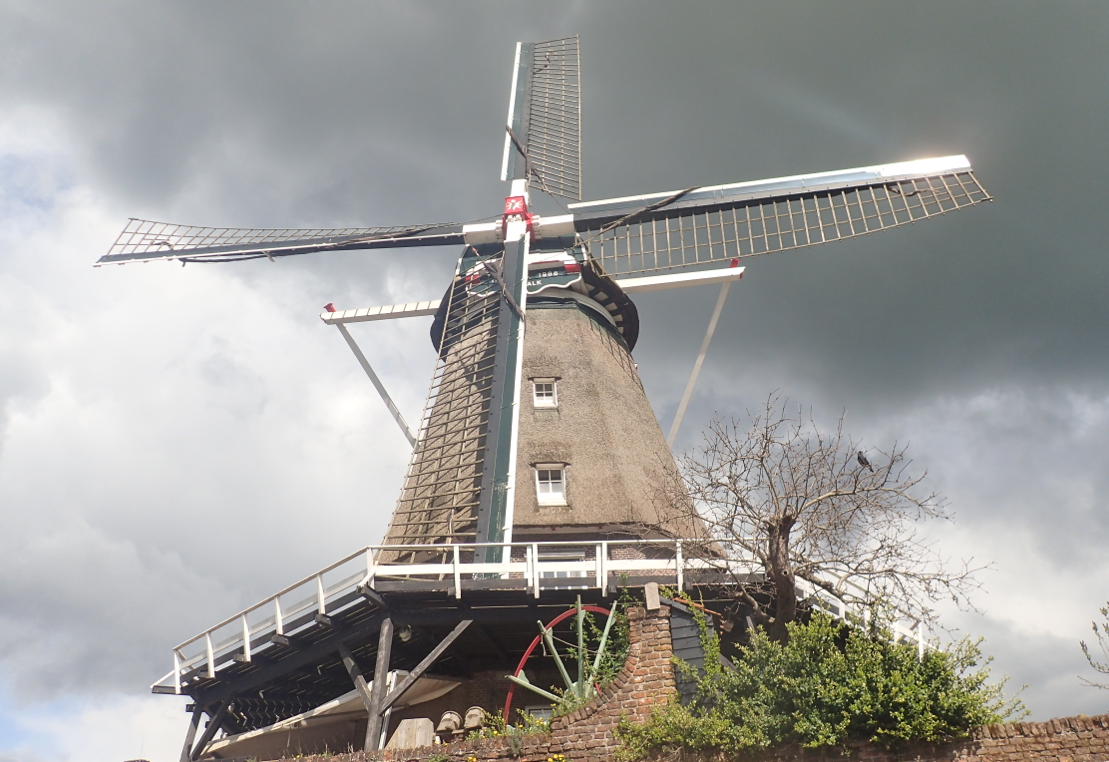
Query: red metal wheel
524	660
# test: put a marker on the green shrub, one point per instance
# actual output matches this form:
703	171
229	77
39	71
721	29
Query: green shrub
827	685
495	726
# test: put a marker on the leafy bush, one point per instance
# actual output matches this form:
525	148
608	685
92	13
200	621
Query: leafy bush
827	685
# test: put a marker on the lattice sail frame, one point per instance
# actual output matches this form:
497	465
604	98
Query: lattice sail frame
667	238
442	489
545	114
554	117
147	240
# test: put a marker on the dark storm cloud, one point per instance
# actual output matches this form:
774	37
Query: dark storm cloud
293	114
1015	287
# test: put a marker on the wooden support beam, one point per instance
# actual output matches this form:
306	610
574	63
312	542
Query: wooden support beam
306	657
190	734
493	642
373	596
359	681
309	655
210	730
381	674
422	667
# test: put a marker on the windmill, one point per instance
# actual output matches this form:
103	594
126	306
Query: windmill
476	456
536	425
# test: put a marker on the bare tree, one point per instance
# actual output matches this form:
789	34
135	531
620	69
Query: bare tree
1101	632
809	504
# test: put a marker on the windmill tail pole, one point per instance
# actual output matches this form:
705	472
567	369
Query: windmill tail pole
673	435
377	384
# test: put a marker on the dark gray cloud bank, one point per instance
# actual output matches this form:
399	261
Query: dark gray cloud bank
178	443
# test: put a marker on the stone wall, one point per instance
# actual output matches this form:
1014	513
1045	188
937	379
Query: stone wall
647	680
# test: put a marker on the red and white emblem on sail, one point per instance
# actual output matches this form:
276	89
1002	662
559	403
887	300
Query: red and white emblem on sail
516	208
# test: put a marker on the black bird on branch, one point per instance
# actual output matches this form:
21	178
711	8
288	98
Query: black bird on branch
864	462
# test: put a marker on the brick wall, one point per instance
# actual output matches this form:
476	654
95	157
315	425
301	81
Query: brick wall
1069	739
647	680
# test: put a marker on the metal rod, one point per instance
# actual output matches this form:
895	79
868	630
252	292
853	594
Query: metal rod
581	650
604	639
673	435
523	681
549	640
409	435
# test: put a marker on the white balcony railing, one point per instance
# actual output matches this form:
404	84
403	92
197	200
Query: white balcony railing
531	566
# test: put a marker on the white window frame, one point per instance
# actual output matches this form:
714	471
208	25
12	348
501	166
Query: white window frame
550	498
540	711
544	401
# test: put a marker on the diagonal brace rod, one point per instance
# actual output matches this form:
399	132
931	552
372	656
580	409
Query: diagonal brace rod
411	437
215	722
673	435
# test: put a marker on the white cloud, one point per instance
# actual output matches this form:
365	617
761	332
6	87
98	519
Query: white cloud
115	727
174	444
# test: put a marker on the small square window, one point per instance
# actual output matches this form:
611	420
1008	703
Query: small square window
550	484
540	711
545	392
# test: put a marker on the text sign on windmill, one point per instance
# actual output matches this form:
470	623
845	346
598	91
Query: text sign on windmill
476	460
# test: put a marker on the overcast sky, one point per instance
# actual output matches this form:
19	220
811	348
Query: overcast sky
178	443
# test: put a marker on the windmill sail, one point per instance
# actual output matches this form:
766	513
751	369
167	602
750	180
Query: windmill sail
457	482
663	231
543	140
145	241
439	502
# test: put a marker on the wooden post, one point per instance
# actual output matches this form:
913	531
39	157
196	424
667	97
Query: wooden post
377	694
215	720
359	683
190	735
422	667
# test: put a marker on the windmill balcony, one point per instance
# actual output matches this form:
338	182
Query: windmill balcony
524	570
